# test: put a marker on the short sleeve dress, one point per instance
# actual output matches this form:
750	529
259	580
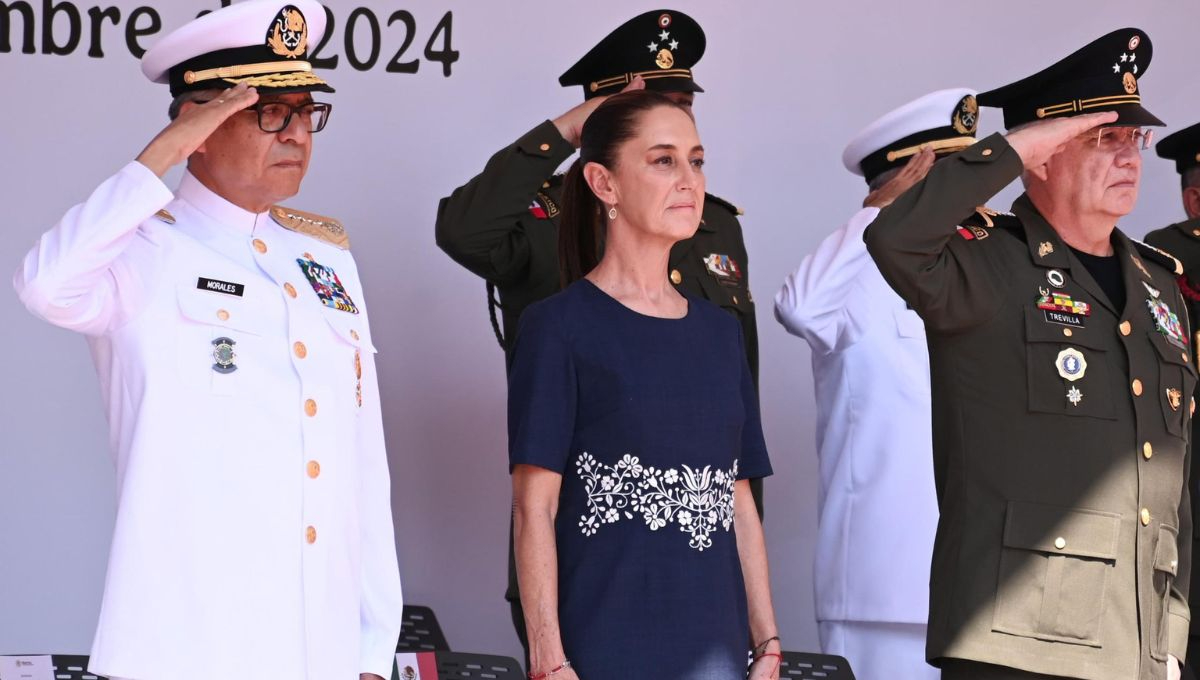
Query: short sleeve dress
650	421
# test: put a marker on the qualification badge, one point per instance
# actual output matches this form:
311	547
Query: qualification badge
224	356
1070	364
1074	396
1174	398
327	286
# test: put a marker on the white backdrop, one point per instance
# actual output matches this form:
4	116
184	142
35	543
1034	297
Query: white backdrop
788	82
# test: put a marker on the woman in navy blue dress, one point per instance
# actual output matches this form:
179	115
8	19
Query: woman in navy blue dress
634	429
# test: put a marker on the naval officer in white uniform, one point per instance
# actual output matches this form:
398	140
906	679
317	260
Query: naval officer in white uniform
877	506
254	531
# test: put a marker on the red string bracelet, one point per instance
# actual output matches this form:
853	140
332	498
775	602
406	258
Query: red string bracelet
557	669
777	655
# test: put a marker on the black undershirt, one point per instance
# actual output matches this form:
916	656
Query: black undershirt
1107	272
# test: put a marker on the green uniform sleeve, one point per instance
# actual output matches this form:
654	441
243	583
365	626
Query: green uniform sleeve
949	281
1179	622
480	224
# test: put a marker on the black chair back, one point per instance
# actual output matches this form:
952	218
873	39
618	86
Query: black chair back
69	667
484	666
420	632
814	667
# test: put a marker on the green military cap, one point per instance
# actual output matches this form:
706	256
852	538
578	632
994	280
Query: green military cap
661	46
1100	76
1183	147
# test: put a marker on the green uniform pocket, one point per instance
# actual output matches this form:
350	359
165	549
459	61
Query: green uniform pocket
1177	380
1166	564
1055	564
1067	369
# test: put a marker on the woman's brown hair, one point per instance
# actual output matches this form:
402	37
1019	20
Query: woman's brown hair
583	227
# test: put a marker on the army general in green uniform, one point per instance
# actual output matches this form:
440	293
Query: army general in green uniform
503	224
1061	386
1182	240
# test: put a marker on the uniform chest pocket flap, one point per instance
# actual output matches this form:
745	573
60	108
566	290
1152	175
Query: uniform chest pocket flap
1055	564
349	329
220	311
1177	380
1067	369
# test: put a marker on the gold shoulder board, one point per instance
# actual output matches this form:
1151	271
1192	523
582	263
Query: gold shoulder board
319	227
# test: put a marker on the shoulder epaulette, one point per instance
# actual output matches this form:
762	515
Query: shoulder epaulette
165	216
975	226
1158	256
738	212
321	228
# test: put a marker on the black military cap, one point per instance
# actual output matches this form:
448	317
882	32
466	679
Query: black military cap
1183	147
263	43
661	46
1101	76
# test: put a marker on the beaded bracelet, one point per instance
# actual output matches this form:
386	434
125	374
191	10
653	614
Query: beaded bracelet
557	669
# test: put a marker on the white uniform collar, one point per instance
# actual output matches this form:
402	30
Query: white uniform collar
214	206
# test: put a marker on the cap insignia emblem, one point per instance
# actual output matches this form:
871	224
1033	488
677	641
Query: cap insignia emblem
1130	82
966	116
288	34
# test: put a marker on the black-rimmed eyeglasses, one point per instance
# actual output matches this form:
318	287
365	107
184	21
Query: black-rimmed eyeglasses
276	116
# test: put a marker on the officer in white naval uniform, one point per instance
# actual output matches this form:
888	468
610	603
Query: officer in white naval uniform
877	507
254	533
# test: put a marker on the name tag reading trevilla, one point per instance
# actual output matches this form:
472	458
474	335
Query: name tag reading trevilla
26	668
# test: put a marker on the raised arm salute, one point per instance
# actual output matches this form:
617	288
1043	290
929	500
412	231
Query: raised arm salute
254	533
1061	386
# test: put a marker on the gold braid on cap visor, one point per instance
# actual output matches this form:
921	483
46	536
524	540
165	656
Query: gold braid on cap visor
938	145
626	78
1078	105
279	70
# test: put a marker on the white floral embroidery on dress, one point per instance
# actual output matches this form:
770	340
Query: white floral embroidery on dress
697	500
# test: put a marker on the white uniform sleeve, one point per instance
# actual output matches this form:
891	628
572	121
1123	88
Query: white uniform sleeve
812	302
382	601
73	276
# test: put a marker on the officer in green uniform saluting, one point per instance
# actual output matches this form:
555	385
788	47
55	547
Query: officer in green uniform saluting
1182	240
503	224
1061	386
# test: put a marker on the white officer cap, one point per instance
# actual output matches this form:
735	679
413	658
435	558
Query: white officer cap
945	120
263	43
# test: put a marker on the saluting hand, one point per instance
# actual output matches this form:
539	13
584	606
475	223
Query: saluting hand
1038	142
913	171
570	124
195	123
